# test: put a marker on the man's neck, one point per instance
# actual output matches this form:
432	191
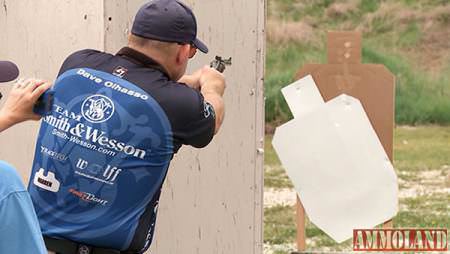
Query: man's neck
156	57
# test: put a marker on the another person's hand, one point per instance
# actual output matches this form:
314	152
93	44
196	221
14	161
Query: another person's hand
19	104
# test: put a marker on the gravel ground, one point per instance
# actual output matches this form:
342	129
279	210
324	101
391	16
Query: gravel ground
424	183
274	197
419	183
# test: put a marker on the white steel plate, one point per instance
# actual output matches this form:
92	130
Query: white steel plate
338	166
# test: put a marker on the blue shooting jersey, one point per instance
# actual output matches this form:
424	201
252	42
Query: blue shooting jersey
102	155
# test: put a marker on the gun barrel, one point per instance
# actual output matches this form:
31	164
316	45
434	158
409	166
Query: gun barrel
220	64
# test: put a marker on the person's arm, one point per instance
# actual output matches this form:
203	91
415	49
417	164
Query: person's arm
19	104
211	84
212	87
192	80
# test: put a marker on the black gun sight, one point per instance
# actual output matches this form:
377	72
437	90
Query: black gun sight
220	63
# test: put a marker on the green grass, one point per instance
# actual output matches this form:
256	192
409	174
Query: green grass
283	9
276	178
274	175
280	228
282	62
424	3
416	150
421	148
369	5
410	36
427	211
279	225
422	96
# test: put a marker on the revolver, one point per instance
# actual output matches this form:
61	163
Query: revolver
220	64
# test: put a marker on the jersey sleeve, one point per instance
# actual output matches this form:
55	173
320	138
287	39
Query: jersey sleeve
193	119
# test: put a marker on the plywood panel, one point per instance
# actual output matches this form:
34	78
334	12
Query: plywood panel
212	199
37	35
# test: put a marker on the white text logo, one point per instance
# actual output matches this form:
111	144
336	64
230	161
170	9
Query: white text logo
109	175
97	108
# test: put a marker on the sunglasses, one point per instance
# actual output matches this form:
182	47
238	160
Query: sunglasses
192	49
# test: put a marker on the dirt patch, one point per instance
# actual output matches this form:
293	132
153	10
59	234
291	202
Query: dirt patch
284	248
270	128
283	197
447	181
432	51
341	9
430	182
440	14
434	48
389	14
289	31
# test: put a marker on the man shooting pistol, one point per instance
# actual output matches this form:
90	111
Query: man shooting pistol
116	123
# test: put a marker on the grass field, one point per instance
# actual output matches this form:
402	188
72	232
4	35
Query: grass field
422	162
411	38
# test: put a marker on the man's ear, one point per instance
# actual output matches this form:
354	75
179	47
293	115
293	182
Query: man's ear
183	54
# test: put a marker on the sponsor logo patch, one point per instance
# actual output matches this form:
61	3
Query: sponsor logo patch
120	71
88	197
97	108
208	110
96	172
47	182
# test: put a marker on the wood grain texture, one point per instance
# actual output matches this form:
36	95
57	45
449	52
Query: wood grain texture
212	200
38	35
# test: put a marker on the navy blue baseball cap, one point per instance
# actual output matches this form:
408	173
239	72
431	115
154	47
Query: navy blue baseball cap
8	71
169	21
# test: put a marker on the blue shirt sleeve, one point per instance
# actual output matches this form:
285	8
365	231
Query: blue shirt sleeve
19	228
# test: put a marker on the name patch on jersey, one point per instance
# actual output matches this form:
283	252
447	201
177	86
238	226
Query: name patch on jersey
86	74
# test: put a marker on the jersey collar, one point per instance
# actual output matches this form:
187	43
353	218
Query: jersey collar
142	59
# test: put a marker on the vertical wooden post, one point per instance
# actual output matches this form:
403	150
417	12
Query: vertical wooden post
388	224
301	226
